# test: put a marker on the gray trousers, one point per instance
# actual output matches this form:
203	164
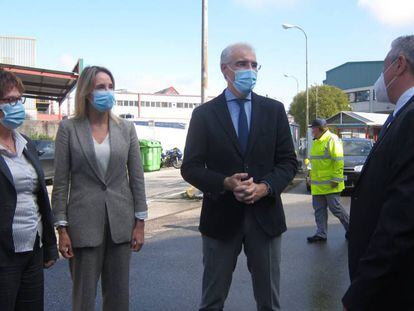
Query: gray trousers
321	203
263	260
110	262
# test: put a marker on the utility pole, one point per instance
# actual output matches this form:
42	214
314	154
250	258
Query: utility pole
204	50
317	100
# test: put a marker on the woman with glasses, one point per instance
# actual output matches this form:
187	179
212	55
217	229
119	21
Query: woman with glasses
27	237
98	196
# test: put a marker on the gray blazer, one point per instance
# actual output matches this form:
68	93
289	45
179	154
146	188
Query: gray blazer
82	196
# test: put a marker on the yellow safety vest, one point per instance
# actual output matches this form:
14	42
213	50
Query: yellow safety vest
327	164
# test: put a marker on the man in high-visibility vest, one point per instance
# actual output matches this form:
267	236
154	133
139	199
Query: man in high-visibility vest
327	179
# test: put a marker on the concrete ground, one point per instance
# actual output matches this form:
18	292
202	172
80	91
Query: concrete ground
166	274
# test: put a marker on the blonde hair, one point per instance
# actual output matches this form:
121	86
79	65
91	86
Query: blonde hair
85	87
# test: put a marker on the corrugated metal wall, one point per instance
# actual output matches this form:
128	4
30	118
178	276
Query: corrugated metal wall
18	51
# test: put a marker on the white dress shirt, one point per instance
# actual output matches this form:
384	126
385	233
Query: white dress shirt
404	98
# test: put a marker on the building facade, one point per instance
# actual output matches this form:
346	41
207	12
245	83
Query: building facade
162	116
357	80
20	51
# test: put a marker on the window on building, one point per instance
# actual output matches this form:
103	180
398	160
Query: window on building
157	104
164	104
180	105
152	104
169	105
126	116
362	96
125	103
136	103
351	97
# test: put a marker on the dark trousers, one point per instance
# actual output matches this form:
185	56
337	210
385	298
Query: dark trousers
263	260
21	281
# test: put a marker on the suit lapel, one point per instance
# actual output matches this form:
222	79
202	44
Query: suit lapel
256	118
84	134
224	117
30	156
5	170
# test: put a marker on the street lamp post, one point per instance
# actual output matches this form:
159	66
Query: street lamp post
296	79
289	26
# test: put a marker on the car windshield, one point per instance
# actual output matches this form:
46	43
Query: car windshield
357	147
45	145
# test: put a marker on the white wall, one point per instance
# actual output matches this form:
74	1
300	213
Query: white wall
169	137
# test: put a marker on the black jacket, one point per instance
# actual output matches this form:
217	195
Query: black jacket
381	245
212	153
8	197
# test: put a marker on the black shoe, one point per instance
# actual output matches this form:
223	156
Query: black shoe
316	239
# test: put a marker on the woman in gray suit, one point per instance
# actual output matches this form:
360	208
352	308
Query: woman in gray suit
98	196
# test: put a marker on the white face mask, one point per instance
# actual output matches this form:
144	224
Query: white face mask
381	89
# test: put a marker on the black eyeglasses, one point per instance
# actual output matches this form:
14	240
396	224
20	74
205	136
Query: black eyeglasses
12	100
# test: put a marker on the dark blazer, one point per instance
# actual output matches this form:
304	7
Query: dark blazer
381	232
8	197
212	152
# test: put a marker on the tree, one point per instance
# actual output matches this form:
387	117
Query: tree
330	100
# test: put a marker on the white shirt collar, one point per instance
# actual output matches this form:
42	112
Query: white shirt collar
20	144
404	98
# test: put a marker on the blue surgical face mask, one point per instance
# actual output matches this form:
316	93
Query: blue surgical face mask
244	80
14	115
103	100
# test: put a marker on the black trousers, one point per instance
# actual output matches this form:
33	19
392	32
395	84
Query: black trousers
21	281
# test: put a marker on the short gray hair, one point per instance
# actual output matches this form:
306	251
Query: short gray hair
403	45
227	53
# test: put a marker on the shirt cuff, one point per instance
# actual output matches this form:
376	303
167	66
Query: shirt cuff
269	188
141	215
61	223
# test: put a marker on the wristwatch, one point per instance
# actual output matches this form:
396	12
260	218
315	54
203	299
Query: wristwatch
269	189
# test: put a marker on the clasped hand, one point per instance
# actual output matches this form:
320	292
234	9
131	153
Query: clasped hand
245	190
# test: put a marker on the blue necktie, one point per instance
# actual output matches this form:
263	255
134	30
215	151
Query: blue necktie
386	125
243	127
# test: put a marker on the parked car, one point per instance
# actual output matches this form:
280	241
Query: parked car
46	152
356	151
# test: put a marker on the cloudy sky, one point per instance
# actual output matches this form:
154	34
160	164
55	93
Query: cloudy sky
151	45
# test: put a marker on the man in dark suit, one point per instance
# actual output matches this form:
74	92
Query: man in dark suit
381	232
239	152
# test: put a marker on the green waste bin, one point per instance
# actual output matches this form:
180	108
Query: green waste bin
150	154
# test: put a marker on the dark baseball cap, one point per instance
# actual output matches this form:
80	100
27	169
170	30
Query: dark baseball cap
318	122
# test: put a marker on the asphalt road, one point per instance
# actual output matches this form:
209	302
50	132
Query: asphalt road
166	274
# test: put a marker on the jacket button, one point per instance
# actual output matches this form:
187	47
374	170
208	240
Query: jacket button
103	187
